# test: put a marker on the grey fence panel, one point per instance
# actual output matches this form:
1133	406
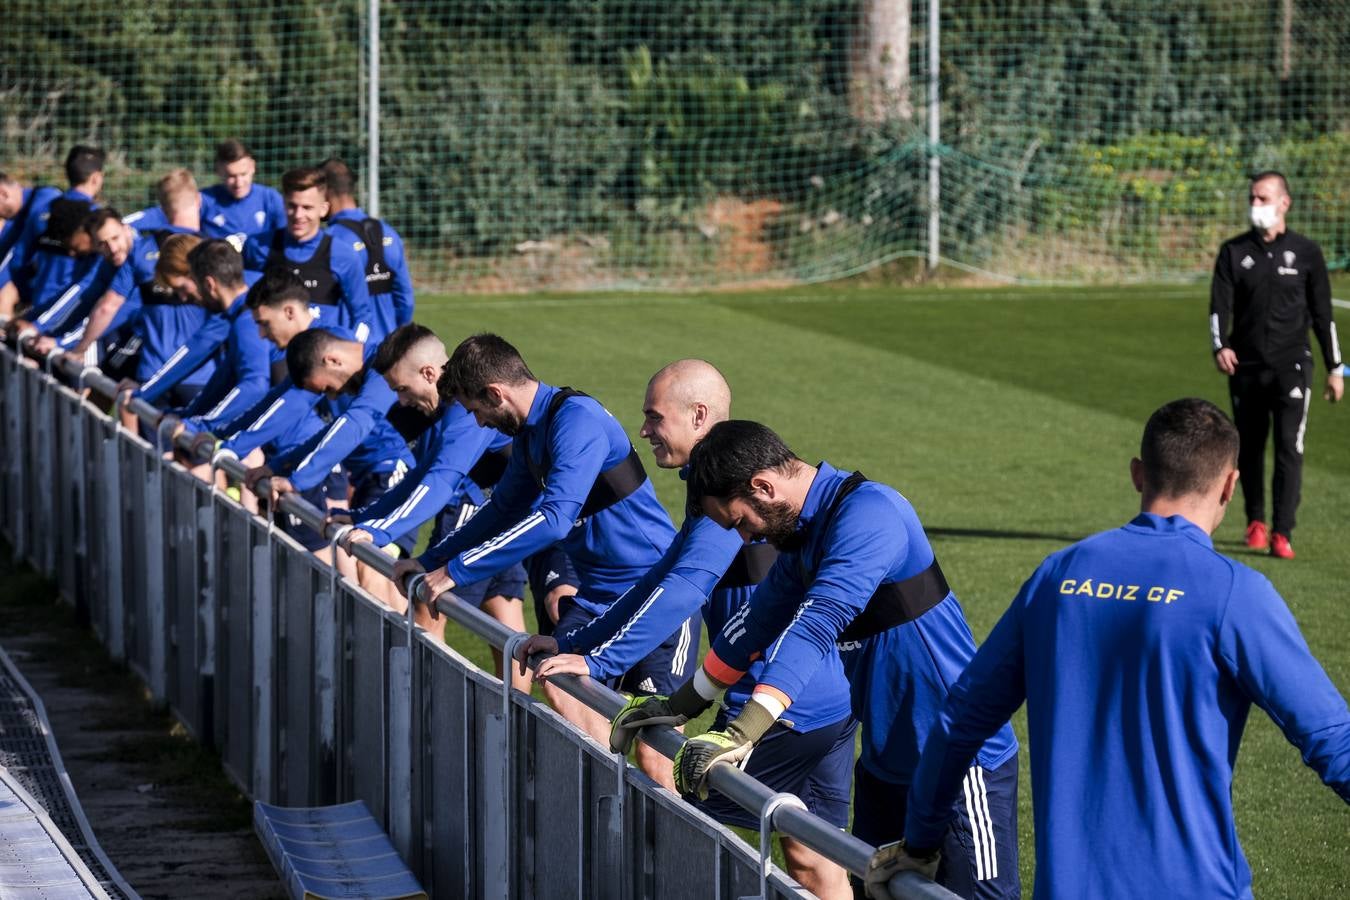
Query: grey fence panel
369	693
41	528
11	434
66	492
324	779
297	584
234	678
205	614
554	821
180	607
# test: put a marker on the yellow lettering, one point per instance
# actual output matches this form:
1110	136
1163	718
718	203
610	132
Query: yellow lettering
1085	587
1174	594
1130	591
1104	590
1067	585
1155	594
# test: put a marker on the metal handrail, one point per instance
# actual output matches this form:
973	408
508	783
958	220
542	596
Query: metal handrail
742	789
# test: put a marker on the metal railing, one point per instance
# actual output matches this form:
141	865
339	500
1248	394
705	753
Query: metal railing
315	693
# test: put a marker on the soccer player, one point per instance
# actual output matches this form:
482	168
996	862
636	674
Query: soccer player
574	479
135	284
285	419
456	459
709	569
1269	285
17	205
179	205
238	208
331	270
378	244
242	357
51	253
856	573
1139	653
360	438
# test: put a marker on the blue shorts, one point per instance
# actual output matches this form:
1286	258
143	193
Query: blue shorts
979	851
659	672
508	583
374	485
815	765
547	570
334	488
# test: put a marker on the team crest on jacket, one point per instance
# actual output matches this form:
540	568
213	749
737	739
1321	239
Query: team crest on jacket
1247	262
260	216
1289	257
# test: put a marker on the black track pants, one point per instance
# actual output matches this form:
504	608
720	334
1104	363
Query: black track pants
1260	396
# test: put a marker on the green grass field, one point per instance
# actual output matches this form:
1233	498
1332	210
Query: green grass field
1008	417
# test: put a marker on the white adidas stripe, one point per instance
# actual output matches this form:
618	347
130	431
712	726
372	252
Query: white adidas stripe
332	432
505	538
682	651
271	410
163	370
795	619
220	407
71	292
407	506
632	620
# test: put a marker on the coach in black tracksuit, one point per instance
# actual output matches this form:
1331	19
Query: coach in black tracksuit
1269	285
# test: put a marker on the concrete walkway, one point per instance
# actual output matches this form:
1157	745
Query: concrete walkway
159	805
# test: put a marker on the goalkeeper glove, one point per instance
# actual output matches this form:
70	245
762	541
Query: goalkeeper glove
892	859
654	709
733	745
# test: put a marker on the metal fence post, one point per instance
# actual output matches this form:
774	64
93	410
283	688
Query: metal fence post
263	643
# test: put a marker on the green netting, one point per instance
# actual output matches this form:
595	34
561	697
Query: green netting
680	143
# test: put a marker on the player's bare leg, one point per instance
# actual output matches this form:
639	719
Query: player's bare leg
819	875
510	611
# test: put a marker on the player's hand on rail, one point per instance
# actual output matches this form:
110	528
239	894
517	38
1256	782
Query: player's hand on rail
254	475
562	664
533	646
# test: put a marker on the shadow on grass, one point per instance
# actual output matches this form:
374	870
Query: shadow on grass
1000	534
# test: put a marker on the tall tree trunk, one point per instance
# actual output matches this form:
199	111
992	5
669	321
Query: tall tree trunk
879	76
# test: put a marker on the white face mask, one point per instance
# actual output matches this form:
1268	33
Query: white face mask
1264	217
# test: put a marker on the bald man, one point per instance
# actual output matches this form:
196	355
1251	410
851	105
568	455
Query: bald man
709	569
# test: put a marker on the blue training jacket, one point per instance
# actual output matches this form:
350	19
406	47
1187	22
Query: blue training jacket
262	211
396	307
243	371
611	549
1139	653
355	310
50	276
361	437
899	678
283	420
681	585
445	453
200	348
13	252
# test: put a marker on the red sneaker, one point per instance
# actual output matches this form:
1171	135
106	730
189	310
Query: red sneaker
1258	538
1279	547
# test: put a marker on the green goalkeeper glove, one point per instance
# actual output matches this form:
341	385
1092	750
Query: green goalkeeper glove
733	745
654	709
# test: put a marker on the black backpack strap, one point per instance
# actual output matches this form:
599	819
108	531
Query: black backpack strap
751	565
894	602
611	486
897	602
